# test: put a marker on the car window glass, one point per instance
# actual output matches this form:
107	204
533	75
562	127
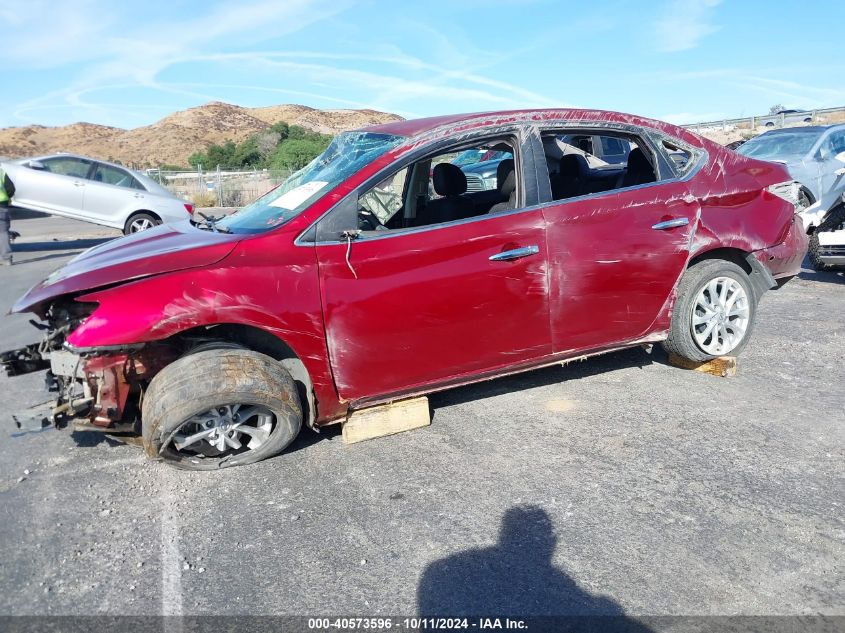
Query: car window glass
777	145
385	199
836	142
113	176
575	171
681	158
444	187
67	166
346	154
614	150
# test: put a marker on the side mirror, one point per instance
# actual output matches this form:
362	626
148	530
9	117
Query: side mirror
34	164
840	157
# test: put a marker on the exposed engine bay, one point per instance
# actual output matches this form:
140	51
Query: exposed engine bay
99	388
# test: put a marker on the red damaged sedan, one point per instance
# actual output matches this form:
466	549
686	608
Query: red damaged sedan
383	270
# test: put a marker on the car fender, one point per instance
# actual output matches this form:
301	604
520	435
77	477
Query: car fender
160	307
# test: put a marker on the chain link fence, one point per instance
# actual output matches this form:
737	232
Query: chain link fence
219	188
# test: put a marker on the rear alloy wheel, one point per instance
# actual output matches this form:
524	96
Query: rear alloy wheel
140	222
219	408
720	316
714	312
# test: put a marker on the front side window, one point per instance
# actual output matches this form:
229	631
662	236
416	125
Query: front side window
67	166
836	142
444	187
347	154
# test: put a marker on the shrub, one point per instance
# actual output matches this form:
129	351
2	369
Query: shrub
205	199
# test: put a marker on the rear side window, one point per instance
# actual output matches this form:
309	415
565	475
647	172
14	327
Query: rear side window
681	158
607	162
113	176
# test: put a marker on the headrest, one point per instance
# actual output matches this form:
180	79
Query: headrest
637	162
573	165
505	177
449	180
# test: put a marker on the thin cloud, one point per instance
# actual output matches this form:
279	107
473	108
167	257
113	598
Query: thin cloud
684	23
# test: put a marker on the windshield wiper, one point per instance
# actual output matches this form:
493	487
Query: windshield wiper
210	222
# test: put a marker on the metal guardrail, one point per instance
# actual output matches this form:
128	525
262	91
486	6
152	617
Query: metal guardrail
778	120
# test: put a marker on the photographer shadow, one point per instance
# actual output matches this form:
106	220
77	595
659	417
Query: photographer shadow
515	578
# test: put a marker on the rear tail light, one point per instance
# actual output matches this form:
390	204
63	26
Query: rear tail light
189	208
791	192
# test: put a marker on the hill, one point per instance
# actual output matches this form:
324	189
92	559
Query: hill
175	137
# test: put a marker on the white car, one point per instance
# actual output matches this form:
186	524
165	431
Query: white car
94	191
827	241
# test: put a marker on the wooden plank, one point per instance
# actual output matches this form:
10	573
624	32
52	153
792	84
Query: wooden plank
386	419
722	366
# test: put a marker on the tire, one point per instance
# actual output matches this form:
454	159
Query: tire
834	220
200	394
138	222
212	345
697	280
813	252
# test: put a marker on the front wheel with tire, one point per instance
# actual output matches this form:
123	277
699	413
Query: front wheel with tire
813	252
714	312
138	222
220	408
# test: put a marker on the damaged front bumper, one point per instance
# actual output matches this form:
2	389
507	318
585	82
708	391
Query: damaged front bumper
61	367
96	389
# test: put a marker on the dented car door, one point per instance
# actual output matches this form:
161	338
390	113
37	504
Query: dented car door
614	260
429	306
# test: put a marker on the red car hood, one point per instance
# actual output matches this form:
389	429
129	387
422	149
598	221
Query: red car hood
163	249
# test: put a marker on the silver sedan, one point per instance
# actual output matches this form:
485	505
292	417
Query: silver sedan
814	156
94	191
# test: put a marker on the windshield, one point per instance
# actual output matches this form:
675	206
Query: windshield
346	154
778	146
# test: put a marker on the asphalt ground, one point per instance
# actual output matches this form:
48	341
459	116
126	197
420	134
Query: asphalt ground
616	484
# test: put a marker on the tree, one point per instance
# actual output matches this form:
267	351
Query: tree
297	153
267	143
280	128
776	108
197	158
297	132
247	153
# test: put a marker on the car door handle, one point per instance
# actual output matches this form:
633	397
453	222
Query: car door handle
78	184
670	224
516	253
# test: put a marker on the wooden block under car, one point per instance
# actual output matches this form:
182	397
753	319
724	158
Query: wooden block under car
386	419
722	366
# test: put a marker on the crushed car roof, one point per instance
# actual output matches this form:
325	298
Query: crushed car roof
415	127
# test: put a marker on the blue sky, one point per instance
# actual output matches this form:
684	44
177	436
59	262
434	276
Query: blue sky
130	63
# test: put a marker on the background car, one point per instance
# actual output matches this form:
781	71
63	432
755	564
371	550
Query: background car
94	191
788	115
809	154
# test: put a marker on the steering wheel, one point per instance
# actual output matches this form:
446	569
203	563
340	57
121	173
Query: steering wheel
367	221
